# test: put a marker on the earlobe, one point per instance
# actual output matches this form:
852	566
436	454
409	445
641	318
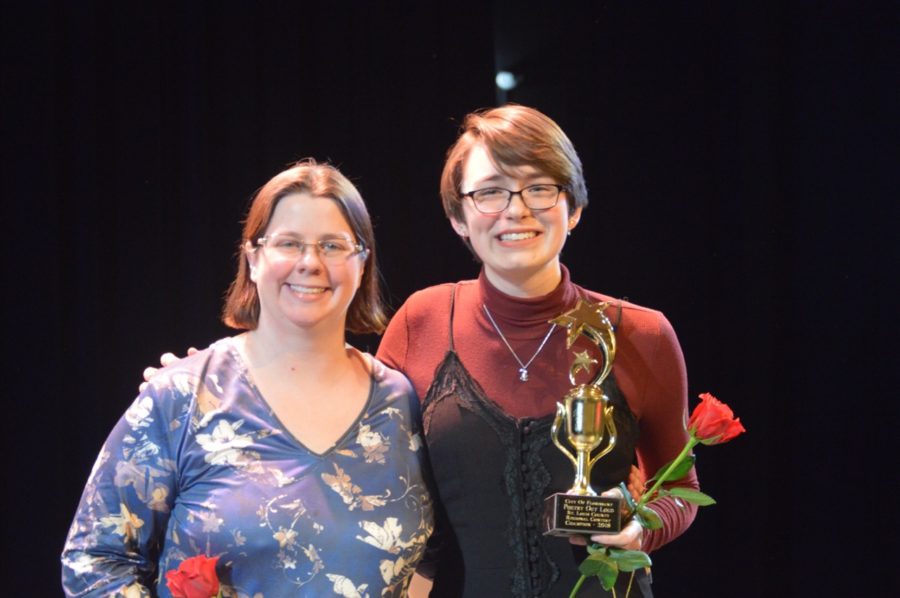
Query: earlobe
459	227
250	256
574	218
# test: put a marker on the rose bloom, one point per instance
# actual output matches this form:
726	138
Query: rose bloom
195	578
713	422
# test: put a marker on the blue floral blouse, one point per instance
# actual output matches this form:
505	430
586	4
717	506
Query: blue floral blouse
199	464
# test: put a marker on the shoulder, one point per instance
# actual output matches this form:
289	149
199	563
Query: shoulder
392	387
387	378
431	306
428	299
632	319
180	381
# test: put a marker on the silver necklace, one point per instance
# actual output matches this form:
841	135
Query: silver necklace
523	367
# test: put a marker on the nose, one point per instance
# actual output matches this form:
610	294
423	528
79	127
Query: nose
309	257
516	207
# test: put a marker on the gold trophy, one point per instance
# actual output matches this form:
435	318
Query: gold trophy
586	416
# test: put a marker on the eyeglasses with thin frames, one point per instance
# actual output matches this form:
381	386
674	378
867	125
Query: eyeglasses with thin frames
332	250
493	200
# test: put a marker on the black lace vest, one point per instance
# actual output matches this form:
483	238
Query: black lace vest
492	473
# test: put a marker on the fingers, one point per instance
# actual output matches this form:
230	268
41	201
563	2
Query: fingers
165	360
628	538
613	492
143	386
148	373
578	540
636	482
625	503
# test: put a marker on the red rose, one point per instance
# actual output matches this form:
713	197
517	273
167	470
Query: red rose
713	422
195	578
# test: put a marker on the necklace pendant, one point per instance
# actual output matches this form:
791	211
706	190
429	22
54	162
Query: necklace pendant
523	374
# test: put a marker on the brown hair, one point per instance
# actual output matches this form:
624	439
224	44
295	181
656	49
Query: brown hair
366	312
514	136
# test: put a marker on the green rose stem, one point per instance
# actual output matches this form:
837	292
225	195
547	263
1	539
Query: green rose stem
578	586
581	581
688	447
646	498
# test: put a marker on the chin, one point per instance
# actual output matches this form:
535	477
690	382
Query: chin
524	263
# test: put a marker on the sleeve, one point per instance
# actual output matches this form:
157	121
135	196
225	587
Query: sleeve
664	433
394	346
442	560
115	538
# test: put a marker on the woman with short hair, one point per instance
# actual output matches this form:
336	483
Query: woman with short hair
491	368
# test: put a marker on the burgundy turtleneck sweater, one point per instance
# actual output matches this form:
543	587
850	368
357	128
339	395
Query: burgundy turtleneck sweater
648	367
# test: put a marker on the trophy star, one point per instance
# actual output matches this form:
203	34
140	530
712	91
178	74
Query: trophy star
584	315
583	361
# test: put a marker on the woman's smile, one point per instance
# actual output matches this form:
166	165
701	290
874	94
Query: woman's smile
300	289
517	238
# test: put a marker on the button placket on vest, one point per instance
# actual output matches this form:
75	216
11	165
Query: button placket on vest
532	545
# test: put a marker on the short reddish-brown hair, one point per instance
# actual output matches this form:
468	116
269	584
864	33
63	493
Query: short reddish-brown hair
366	312
514	136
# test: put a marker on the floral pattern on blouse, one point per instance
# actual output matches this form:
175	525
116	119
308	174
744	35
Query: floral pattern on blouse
199	464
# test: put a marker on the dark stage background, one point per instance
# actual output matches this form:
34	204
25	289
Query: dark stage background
742	166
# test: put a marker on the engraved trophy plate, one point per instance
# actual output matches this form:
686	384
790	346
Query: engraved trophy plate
567	514
586	418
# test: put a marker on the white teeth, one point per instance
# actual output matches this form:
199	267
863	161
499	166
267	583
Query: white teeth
308	290
517	236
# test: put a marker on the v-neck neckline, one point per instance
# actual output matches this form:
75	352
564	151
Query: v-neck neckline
349	432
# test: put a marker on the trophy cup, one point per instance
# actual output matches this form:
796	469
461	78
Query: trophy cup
586	418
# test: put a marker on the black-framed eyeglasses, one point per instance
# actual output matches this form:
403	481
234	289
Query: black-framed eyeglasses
493	200
335	250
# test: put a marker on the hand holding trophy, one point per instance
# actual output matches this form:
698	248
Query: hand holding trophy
586	417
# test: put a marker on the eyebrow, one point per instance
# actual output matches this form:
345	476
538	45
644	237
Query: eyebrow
325	237
494	180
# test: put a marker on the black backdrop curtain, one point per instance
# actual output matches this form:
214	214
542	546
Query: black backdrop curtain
741	162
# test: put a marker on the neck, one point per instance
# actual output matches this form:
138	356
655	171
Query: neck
526	284
308	349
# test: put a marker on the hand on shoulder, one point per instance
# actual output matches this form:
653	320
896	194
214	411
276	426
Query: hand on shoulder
165	360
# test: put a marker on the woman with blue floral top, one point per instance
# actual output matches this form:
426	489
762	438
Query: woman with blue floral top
292	457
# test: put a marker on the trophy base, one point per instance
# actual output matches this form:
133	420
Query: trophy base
569	514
